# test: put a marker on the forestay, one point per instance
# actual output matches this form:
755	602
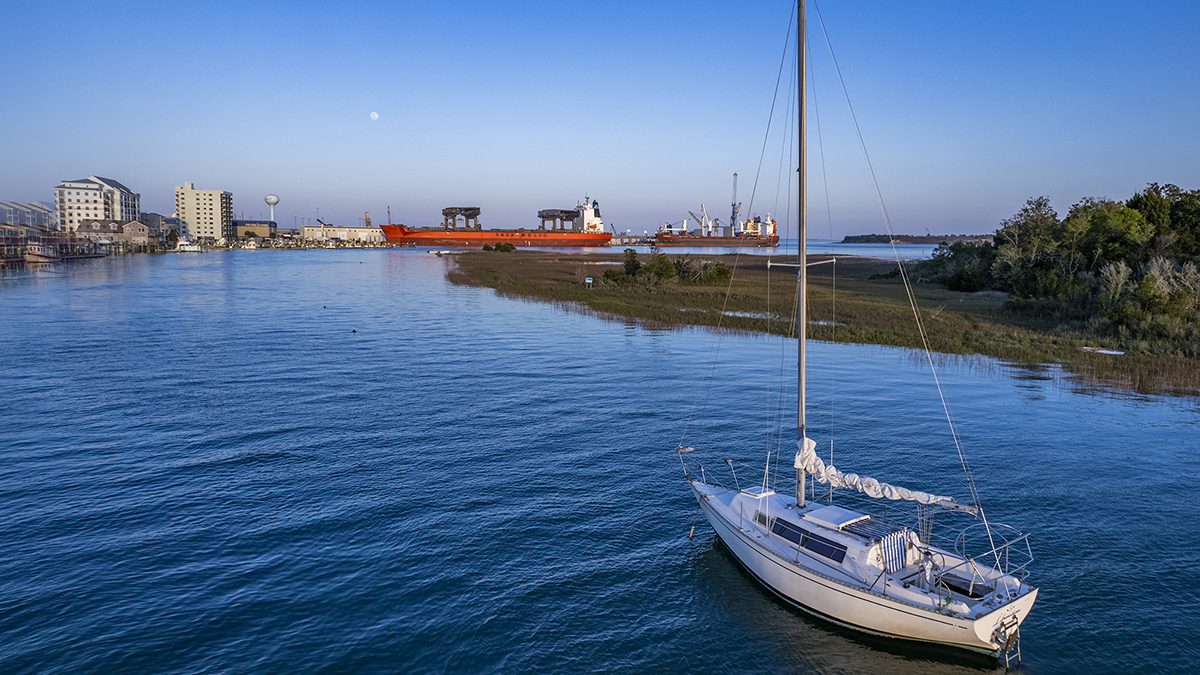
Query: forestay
808	461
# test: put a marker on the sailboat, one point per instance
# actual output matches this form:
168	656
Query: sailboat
876	574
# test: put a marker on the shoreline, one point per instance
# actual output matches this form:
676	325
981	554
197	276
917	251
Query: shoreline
869	307
17	261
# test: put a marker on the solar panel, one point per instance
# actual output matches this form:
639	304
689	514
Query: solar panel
815	543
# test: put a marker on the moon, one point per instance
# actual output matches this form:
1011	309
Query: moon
374	117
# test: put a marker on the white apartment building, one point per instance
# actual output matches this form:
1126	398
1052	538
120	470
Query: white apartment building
94	198
206	214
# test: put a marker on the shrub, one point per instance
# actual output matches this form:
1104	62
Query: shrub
1114	282
632	264
705	272
616	276
963	265
1152	293
661	267
716	271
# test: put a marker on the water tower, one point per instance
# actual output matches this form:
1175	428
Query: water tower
271	201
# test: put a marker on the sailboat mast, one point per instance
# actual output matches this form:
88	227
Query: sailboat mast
802	254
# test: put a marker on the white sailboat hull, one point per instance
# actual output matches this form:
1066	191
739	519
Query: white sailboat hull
825	596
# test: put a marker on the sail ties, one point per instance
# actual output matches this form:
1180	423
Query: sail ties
808	461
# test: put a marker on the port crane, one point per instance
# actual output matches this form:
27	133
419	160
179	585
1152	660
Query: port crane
707	225
734	207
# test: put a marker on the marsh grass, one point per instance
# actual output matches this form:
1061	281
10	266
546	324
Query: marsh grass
871	308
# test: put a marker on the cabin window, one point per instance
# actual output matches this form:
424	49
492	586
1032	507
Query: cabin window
809	541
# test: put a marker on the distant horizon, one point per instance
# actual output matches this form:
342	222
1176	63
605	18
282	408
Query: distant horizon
648	108
380	217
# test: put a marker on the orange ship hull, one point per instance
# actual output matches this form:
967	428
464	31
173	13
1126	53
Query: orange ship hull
399	234
663	239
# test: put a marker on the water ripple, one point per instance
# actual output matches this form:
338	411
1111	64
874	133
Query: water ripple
207	470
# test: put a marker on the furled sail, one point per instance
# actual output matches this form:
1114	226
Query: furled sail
807	460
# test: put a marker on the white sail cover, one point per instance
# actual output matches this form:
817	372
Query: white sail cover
807	460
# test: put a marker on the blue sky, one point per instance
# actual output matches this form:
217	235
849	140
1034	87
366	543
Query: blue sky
967	108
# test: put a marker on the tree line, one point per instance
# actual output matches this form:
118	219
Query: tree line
1126	268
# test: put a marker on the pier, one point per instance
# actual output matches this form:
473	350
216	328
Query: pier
16	249
12	249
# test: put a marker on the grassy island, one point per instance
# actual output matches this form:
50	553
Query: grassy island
740	293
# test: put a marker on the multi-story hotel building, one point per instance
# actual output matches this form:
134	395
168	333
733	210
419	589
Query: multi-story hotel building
208	214
94	198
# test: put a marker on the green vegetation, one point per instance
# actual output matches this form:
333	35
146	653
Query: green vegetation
1127	273
662	269
502	247
871	308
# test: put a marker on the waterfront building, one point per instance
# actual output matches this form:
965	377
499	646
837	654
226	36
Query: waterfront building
207	214
266	229
326	233
136	237
21	231
94	198
129	236
37	215
163	228
12	243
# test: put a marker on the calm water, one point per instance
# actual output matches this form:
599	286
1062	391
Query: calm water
207	469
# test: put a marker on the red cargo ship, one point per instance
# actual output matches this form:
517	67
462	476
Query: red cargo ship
586	229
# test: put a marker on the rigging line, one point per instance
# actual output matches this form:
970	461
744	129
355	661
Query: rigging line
707	385
705	388
779	178
783	351
829	223
774	430
908	290
788	151
772	417
785	164
832	379
787	40
738	254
